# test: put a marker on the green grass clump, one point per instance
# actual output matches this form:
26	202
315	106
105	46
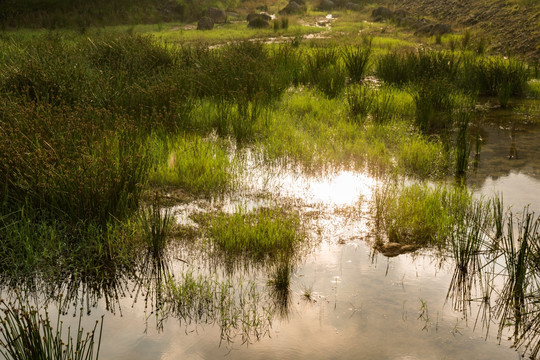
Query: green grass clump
420	214
261	235
27	334
423	158
199	166
495	76
414	66
356	61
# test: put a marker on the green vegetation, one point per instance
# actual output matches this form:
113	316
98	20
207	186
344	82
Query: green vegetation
200	166
420	214
262	235
27	334
97	124
238	308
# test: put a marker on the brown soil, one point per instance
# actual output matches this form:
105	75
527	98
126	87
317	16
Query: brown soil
512	27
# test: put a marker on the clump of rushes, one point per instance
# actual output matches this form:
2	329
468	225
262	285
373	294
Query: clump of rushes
199	166
323	71
420	214
156	222
279	283
356	61
466	241
433	101
360	100
414	66
518	304
27	334
72	165
498	215
262	235
495	76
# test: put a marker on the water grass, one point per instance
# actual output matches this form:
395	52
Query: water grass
263	235
25	333
517	305
467	240
356	61
199	166
419	214
156	222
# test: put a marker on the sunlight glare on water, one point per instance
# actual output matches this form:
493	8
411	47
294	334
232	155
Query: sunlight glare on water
344	188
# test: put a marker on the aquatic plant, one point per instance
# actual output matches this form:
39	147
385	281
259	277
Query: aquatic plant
356	61
237	307
433	102
265	234
419	214
25	333
495	76
156	222
199	166
417	66
359	101
466	243
461	117
517	305
279	283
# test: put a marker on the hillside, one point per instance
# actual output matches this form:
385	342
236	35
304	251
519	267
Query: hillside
511	26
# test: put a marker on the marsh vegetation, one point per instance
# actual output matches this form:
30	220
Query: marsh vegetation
194	176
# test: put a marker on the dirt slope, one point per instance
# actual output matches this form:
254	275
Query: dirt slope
511	27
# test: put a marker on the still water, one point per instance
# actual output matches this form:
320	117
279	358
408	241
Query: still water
345	301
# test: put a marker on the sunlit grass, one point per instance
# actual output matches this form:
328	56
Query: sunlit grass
420	214
262	235
199	166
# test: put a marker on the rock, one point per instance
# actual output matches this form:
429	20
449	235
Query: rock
420	23
400	14
205	23
392	249
252	17
353	7
232	14
326	5
258	23
424	30
293	8
263	15
440	29
382	13
217	15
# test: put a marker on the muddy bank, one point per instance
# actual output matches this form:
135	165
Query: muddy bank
511	27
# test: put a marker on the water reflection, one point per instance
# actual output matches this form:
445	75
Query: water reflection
508	159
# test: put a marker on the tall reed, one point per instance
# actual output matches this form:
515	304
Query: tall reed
356	61
27	334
